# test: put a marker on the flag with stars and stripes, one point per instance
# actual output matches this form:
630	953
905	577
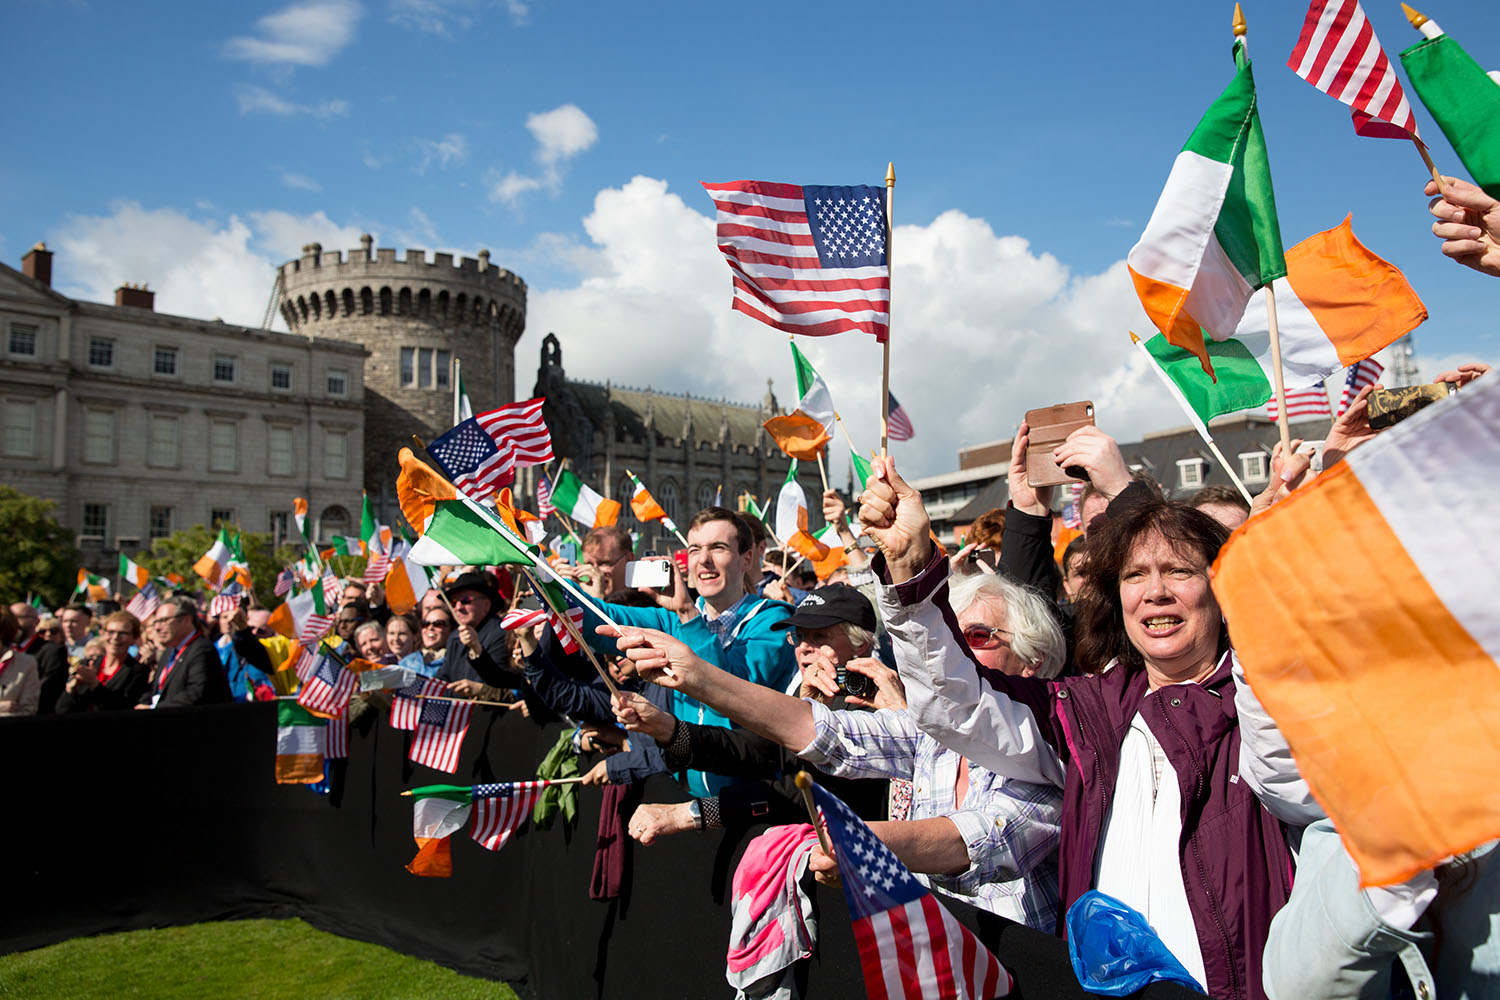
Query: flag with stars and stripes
544	507
806	259
501	807
327	688
524	427
1367	372
441	726
898	425
227	599
477	462
1311	402
1339	54
145	602
406	704
909	945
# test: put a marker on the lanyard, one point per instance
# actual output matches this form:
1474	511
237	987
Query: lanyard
161	682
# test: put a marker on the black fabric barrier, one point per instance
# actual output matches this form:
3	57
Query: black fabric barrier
117	821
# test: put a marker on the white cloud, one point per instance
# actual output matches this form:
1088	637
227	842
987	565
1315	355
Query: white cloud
198	266
450	149
984	328
259	100
306	34
300	182
560	135
437	17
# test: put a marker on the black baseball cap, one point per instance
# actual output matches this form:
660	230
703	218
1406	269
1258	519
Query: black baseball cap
831	605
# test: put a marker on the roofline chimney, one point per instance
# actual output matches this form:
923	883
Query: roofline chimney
38	264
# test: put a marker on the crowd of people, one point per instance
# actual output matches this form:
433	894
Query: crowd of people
1020	721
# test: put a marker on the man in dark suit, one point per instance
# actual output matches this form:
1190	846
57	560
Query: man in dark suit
51	657
476	653
188	671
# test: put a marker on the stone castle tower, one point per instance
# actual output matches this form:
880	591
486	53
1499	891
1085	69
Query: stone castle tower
415	317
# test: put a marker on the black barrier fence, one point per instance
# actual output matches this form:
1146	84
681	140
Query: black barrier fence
117	821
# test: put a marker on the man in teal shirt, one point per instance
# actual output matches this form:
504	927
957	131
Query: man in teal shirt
728	626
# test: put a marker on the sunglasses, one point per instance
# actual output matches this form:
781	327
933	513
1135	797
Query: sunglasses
985	637
459	602
436	624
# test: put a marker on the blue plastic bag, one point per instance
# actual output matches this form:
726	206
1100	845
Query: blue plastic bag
1114	950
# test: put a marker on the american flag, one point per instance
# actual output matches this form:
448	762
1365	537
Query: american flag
523	618
1302	403
406	705
544	508
1339	54
476	461
145	602
307	660
899	426
1366	372
337	739
441	726
226	599
327	688
333	592
501	808
806	259
522	425
909	945
285	581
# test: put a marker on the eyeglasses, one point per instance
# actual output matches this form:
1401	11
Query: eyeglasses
817	637
985	637
119	632
435	624
471	599
348	621
169	619
45	631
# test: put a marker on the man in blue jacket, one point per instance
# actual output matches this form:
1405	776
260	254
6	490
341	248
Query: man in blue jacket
728	627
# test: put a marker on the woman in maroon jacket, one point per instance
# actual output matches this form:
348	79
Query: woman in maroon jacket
1146	746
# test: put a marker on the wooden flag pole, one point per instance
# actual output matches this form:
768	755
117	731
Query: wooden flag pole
804	784
471	701
885	367
823	471
1276	376
572	630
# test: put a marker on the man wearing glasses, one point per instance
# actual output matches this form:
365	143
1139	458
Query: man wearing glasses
601	567
45	645
188	671
476	653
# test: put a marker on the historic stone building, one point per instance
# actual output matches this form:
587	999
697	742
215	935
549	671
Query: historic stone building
684	448
138	423
416	318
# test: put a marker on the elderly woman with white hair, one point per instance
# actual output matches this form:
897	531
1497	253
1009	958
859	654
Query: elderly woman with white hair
986	839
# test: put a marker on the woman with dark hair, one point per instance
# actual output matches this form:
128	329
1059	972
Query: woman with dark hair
1146	745
112	680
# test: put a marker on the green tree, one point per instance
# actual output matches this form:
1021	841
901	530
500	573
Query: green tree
38	556
180	550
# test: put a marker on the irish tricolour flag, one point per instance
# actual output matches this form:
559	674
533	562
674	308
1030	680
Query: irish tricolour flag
573	498
1338	304
1213	238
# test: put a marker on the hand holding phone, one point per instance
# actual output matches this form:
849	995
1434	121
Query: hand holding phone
1048	428
656	572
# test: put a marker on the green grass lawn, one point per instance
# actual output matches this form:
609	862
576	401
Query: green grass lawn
263	959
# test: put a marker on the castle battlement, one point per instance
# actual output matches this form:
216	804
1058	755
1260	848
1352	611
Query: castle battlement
368	263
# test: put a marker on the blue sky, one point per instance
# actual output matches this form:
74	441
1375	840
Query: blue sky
195	146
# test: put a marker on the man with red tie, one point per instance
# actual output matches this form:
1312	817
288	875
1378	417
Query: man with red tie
188	671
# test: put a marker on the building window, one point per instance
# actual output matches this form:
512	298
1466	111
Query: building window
705	495
281	523
98	436
221	515
223	368
95	522
161	450
1190	473
164	361
281	376
1253	467
334	521
23	340
338	382
279	447
336	455
668	498
223	446
424	368
20	428
160	524
101	352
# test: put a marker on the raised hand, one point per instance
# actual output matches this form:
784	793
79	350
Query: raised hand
1286	475
893	515
635	713
1350	430
889	691
1023	496
1468	224
1100	457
